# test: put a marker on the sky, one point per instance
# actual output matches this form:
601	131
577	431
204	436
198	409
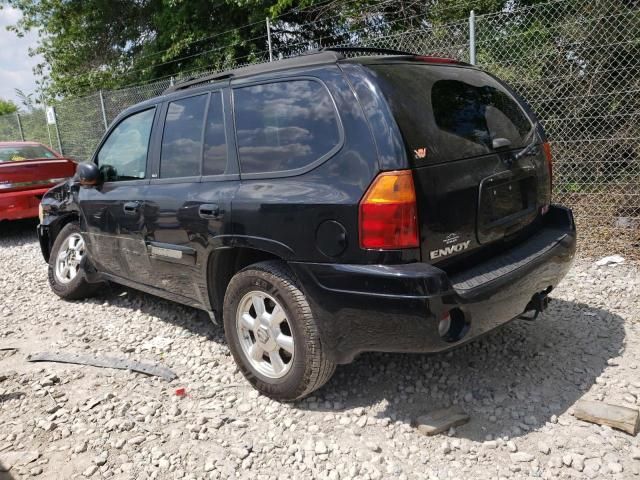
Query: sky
15	63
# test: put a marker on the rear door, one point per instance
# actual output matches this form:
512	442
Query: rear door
188	202
463	130
112	213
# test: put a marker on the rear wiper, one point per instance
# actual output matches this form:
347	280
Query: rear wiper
528	150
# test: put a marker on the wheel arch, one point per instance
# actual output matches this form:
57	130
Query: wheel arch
55	227
224	263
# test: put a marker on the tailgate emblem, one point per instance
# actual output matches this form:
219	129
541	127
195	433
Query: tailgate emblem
446	251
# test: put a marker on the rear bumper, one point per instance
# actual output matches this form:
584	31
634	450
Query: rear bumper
21	204
397	308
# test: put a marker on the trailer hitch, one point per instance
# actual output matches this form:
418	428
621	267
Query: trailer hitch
538	304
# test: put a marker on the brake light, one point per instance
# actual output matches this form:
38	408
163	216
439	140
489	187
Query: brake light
388	212
549	158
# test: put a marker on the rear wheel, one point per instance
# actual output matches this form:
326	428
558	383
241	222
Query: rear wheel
272	333
66	276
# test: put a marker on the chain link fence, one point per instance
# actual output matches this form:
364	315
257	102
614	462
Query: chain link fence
576	62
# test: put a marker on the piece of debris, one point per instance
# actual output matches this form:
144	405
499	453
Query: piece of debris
610	260
93	402
440	421
622	418
104	362
181	392
7	352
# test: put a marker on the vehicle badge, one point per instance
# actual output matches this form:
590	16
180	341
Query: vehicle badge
420	153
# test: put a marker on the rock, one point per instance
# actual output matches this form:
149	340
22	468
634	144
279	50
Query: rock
567	460
101	459
544	448
321	448
136	440
90	470
445	448
615	467
244	408
35	471
240	452
440	421
511	446
635	453
578	462
522	457
81	447
374	447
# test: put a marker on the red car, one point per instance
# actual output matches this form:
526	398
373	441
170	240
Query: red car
27	171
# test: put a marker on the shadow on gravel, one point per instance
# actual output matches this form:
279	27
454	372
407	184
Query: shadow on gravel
5	475
11	396
515	379
18	232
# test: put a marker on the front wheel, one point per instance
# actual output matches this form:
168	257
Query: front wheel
272	333
66	276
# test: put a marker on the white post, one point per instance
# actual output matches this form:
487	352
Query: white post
104	113
472	37
269	39
20	126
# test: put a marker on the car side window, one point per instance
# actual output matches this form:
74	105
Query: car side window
182	138
123	156
284	125
215	142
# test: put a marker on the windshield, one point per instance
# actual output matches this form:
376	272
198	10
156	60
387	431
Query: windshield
448	113
24	152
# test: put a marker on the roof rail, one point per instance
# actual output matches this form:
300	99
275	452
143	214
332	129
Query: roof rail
190	82
385	51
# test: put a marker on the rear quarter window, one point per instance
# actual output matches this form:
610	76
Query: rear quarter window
447	113
284	126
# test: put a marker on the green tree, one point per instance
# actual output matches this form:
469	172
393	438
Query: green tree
7	106
89	45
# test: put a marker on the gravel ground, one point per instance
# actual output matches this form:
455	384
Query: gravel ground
517	384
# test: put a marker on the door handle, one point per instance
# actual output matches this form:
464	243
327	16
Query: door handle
131	208
209	210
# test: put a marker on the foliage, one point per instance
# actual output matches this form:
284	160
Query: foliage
89	45
7	106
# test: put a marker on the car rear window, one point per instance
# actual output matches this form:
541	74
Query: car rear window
447	113
24	152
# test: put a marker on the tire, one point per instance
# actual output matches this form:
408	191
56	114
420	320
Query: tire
68	285
306	365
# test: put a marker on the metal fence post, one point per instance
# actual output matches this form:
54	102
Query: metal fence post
20	126
55	122
472	37
104	113
269	39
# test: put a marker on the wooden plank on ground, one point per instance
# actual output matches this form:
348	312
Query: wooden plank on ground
622	418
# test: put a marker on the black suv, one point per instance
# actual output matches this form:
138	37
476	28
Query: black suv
322	206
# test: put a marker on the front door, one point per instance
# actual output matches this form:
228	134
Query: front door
113	212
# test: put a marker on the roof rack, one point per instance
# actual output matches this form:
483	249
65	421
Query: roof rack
190	82
385	51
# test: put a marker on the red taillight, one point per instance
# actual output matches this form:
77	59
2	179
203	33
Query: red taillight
547	155
388	212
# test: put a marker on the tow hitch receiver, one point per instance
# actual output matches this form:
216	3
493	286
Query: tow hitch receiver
538	303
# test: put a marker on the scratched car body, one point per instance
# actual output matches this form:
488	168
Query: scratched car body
321	206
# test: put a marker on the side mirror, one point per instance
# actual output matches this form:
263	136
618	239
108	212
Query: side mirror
88	174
